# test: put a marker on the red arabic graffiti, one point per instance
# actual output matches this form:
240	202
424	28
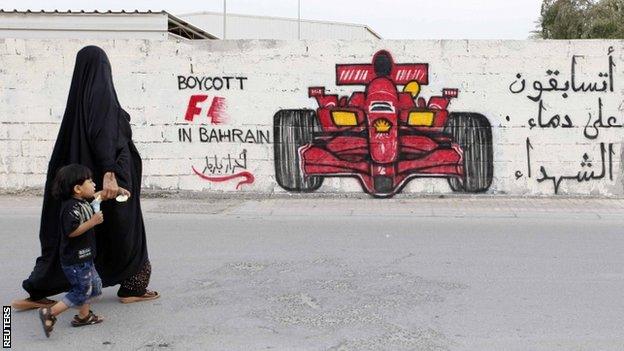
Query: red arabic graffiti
248	177
224	168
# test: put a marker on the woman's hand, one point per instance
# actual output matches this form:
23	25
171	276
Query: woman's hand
123	192
110	189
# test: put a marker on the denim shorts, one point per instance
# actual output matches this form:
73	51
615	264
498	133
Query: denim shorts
85	283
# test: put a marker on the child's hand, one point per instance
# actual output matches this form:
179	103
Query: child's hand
97	218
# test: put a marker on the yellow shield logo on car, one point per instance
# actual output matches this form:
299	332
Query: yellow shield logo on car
382	125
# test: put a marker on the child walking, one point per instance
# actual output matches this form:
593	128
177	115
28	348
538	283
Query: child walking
73	184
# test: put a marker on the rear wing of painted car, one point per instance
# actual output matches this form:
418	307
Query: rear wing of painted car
362	74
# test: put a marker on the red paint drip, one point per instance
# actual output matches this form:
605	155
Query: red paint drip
249	178
217	110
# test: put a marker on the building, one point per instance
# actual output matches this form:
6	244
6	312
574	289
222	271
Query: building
159	25
262	27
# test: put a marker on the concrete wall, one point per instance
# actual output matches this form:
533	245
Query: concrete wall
555	108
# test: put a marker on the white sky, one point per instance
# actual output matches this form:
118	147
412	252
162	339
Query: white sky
392	19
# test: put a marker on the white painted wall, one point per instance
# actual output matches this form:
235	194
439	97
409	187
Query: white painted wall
35	77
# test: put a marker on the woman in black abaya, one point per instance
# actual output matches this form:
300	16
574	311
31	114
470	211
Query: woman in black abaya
95	132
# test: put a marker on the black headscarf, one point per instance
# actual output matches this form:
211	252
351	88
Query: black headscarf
95	132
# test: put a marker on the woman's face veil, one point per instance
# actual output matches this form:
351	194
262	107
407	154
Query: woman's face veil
92	107
92	74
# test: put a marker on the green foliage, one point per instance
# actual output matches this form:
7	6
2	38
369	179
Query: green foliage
581	19
607	20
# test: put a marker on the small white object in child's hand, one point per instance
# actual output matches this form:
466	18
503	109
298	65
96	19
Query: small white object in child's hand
121	198
96	204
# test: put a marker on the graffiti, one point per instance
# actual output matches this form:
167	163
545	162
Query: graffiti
599	123
234	135
216	112
571	85
586	174
529	147
222	135
208	83
596	120
248	178
553	122
217	105
226	164
383	136
221	169
217	168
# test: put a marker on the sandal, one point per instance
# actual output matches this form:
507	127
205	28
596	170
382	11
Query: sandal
149	295
29	304
47	320
90	319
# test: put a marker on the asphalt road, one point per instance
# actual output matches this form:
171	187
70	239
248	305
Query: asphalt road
352	274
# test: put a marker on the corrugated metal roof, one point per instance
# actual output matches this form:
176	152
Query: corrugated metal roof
175	26
81	11
286	19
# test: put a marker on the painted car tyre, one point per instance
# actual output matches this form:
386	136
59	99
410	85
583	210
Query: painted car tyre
473	132
293	129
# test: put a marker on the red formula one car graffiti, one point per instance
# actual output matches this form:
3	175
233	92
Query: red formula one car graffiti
383	136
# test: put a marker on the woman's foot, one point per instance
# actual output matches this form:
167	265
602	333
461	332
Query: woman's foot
91	318
30	304
149	295
47	320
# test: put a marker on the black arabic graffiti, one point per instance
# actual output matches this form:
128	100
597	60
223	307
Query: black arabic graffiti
597	119
592	127
570	85
599	123
225	165
586	174
553	122
529	147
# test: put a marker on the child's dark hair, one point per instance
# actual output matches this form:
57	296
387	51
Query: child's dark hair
67	177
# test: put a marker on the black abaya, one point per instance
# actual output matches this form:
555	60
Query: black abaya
95	132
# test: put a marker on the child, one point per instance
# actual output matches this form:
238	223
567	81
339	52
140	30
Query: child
73	184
